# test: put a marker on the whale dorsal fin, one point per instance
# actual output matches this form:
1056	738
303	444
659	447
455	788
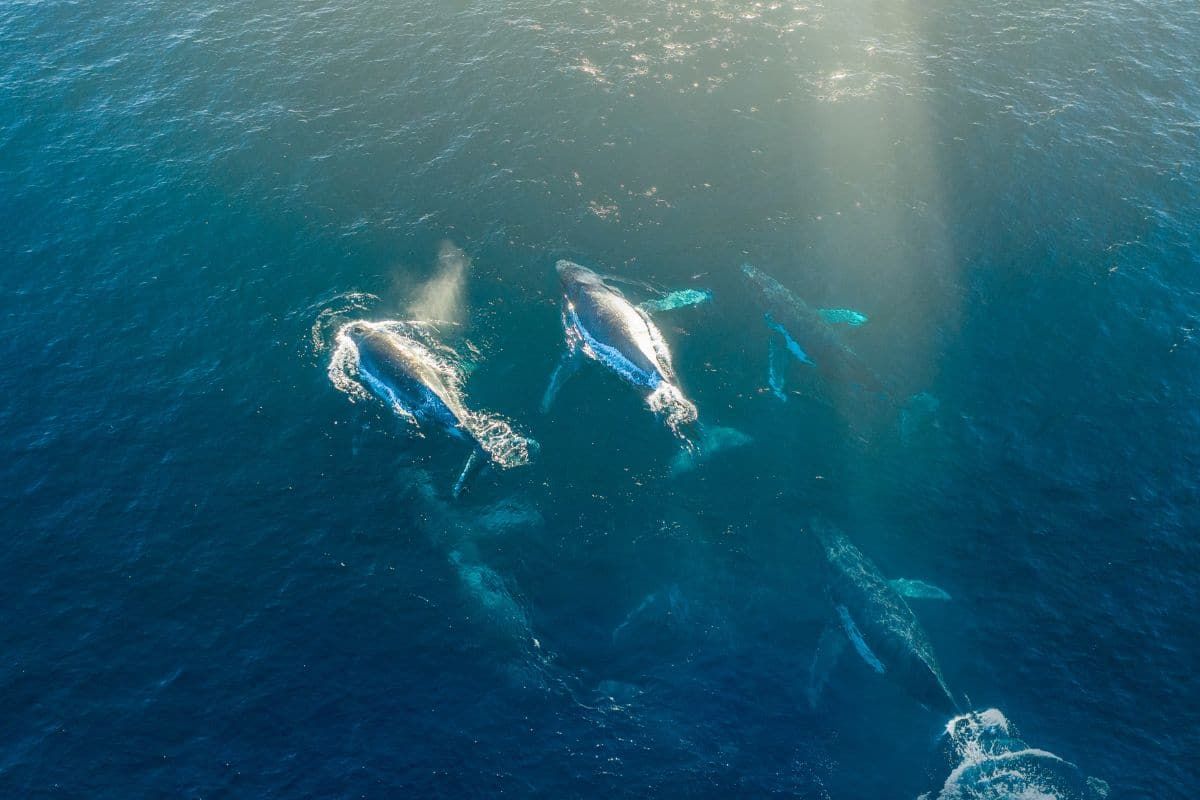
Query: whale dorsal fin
919	590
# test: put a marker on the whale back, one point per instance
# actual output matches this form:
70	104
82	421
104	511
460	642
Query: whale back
878	621
613	330
405	367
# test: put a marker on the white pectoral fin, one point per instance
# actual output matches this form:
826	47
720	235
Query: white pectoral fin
682	298
474	462
844	316
776	377
790	344
829	651
568	365
920	590
860	644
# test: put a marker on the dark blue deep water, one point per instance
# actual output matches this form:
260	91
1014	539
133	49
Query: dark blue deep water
223	576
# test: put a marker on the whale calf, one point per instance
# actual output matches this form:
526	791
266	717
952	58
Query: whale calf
424	389
874	617
601	324
807	334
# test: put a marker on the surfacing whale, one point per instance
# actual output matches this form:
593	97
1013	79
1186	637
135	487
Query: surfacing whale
424	388
601	324
874	617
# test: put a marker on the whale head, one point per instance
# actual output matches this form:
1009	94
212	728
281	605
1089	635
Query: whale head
571	275
357	331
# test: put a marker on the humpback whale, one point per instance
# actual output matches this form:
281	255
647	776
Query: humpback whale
807	334
875	618
424	389
601	324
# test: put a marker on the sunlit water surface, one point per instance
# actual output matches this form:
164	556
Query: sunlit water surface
225	574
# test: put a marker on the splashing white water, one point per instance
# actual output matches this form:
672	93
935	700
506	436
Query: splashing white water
343	367
676	410
995	764
503	444
332	318
495	435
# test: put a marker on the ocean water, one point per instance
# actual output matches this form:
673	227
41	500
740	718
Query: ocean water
224	576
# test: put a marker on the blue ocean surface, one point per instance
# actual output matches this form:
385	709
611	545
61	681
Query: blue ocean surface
229	570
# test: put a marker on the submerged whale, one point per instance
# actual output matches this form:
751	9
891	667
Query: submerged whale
424	390
875	618
601	324
807	335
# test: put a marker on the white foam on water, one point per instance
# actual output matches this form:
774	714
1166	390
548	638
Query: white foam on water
331	319
347	376
995	764
504	446
675	409
665	399
343	367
